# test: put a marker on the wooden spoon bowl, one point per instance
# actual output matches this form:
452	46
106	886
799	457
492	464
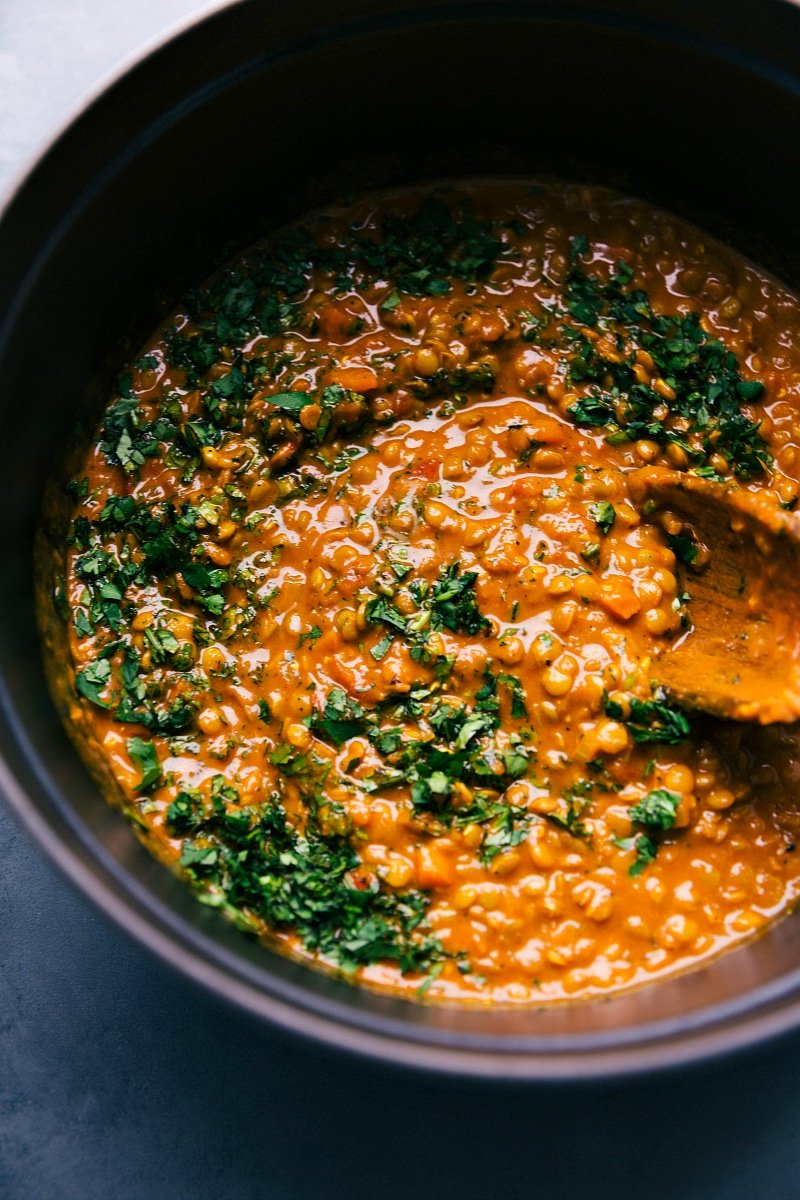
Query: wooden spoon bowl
739	560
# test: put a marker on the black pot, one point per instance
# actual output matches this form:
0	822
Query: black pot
249	118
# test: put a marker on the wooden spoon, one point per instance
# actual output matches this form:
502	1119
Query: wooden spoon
741	569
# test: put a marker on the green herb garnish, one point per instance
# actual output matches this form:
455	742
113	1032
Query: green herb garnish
144	755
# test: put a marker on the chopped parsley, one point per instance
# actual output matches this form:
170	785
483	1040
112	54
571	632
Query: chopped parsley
705	416
646	850
573	807
342	718
311	883
421	254
144	755
683	547
657	812
604	515
91	681
506	826
454	747
651	720
447	603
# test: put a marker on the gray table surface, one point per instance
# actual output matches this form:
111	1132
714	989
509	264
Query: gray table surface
121	1081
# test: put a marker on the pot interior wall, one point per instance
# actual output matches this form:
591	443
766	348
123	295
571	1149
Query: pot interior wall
251	119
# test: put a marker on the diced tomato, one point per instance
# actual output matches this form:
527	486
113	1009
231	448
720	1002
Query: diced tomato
425	468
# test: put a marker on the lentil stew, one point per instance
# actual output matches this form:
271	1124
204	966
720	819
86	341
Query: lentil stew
363	619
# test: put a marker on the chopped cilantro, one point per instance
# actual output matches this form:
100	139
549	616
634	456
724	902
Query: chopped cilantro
651	720
519	708
657	810
397	557
83	626
341	719
161	643
422	253
604	515
683	547
291	401
292	762
646	851
448	603
575	802
505	826
704	418
308	883
144	754
381	648
452	600
185	813
91	681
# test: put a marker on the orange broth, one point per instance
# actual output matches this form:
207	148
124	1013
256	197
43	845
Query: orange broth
402	636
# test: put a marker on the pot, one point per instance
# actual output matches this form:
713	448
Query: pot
236	124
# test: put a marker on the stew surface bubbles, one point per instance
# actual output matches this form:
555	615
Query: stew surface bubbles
363	620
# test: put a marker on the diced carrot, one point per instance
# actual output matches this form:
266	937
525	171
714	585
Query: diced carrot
329	644
434	869
335	321
618	597
341	674
355	379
